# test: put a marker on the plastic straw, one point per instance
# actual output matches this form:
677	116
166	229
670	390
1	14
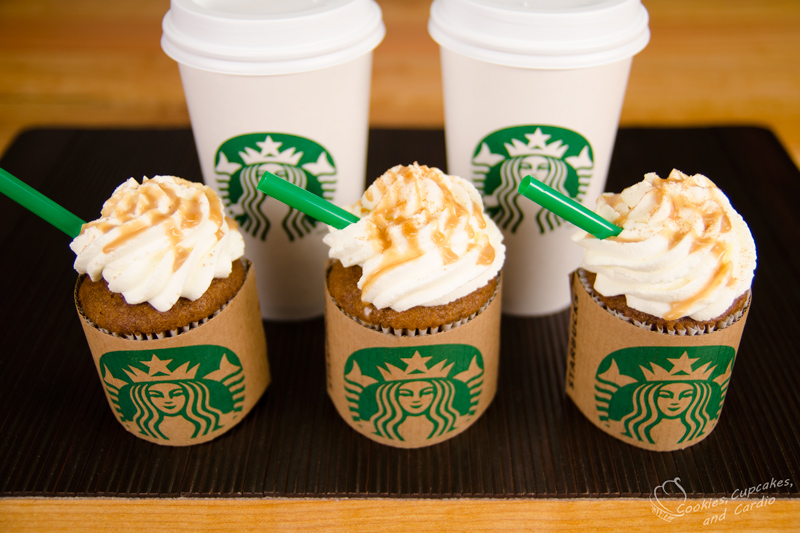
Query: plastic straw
305	201
39	204
567	208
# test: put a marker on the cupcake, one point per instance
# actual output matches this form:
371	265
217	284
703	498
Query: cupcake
413	315
169	309
658	311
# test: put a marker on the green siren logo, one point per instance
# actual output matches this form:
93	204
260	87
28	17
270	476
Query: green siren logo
424	391
242	160
664	395
555	156
174	392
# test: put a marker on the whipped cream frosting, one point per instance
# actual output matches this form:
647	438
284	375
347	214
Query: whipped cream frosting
159	241
683	249
422	240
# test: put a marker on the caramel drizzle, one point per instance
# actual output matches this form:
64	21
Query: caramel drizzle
712	219
139	212
387	216
681	308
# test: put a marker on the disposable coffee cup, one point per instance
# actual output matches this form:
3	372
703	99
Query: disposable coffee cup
280	86
535	88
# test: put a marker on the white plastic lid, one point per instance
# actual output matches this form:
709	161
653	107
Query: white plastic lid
547	34
256	37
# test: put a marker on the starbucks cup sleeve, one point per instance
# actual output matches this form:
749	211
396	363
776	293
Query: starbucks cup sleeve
653	390
412	391
191	387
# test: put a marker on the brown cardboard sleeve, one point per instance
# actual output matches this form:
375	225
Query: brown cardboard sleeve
412	391
653	390
190	388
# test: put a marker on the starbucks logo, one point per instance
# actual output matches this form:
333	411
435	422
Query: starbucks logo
663	394
174	392
242	160
407	394
558	157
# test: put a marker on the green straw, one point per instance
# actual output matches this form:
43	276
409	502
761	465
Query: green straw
39	204
305	201
567	208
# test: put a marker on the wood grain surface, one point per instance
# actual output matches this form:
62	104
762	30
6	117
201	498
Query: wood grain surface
95	62
381	515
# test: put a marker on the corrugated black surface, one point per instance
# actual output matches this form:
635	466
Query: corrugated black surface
59	438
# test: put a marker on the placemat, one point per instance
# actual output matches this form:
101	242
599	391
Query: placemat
58	436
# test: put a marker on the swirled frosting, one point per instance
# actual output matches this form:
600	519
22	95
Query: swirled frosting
159	241
683	250
422	240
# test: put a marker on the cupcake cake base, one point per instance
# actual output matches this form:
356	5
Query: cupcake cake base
110	312
657	390
343	286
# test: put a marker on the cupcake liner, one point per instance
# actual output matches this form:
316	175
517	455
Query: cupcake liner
150	336
411	389
657	390
190	386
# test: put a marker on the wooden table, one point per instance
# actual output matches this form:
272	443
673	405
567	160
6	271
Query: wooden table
93	63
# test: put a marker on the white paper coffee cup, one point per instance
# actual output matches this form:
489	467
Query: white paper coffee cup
280	86
535	88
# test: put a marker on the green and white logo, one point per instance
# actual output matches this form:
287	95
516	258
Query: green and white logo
172	392
396	393
557	157
241	161
662	394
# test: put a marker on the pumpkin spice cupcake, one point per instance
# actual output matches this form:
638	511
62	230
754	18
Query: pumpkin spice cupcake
170	311
658	311
412	314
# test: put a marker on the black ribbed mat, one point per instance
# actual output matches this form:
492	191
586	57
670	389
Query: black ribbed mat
58	436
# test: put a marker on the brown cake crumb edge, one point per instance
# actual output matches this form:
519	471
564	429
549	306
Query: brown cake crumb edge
619	304
109	311
343	287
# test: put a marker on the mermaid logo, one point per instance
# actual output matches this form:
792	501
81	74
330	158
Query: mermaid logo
557	157
242	160
638	398
174	393
413	394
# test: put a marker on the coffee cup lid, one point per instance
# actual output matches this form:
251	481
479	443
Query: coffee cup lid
251	37
546	34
